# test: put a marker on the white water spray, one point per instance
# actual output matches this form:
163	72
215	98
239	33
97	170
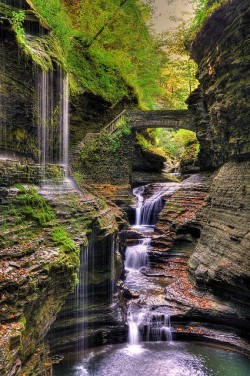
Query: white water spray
148	209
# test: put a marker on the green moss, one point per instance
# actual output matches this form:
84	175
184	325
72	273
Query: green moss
61	238
104	142
31	206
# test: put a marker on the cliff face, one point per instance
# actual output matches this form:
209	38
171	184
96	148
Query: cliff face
38	267
17	90
221	103
38	270
222	110
221	259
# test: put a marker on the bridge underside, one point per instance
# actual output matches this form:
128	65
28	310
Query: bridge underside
174	119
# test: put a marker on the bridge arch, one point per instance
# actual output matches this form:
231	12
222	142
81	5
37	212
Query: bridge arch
174	119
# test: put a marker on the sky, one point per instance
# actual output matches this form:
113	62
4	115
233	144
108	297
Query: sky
165	9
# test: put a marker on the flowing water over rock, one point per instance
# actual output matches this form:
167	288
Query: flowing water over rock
145	322
136	255
148	208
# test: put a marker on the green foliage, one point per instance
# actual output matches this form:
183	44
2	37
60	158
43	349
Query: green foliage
16	20
148	143
62	239
30	206
105	142
175	143
204	8
178	77
107	47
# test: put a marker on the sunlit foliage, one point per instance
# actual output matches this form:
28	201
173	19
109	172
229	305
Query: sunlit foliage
108	47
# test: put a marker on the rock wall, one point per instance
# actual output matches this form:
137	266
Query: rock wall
221	259
221	103
38	271
221	106
17	90
13	171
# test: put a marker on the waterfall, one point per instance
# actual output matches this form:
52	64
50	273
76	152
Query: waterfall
136	256
138	192
44	110
148	209
53	125
147	324
64	121
81	293
157	326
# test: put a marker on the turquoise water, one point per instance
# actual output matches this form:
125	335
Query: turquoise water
156	359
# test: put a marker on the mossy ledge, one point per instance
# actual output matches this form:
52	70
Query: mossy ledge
39	259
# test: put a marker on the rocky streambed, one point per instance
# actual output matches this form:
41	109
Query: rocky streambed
164	284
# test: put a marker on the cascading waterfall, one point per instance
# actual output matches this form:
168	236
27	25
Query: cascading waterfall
157	326
147	324
138	192
147	210
136	255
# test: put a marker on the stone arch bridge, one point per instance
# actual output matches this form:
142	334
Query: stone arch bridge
174	119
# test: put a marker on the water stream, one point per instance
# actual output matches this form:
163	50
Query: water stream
149	349
145	323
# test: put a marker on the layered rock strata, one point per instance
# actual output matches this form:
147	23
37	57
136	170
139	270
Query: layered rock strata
221	103
221	106
38	268
195	314
221	259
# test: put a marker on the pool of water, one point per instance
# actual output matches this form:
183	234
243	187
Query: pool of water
156	359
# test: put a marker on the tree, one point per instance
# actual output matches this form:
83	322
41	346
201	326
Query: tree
179	75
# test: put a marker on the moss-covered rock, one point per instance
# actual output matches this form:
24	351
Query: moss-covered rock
38	267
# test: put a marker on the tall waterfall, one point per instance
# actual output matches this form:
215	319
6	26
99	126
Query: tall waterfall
64	121
53	120
44	120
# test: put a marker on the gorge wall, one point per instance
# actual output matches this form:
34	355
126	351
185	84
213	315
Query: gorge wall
220	104
222	110
36	274
42	234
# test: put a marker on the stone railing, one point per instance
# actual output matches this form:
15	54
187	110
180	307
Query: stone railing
115	123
